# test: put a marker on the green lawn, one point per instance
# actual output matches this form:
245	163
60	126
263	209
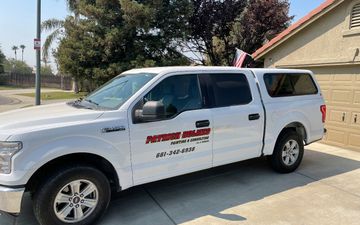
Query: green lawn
56	95
3	87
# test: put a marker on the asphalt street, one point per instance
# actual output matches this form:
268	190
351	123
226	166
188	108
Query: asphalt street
5	100
11	100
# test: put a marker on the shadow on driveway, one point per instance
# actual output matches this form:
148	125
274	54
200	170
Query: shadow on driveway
210	192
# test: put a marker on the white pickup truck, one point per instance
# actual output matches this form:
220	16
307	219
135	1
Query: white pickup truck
150	124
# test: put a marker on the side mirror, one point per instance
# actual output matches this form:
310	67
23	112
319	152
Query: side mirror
151	111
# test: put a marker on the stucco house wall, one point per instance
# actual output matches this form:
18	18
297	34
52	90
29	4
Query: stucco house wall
329	48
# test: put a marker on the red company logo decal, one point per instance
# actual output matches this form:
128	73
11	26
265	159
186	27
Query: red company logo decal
177	135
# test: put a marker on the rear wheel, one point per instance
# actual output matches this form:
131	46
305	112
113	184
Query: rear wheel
75	195
288	153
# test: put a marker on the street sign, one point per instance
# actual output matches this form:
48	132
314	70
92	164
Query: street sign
37	44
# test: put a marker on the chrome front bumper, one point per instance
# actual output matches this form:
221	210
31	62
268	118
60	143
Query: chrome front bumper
10	199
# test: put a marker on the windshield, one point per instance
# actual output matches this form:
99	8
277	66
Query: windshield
118	90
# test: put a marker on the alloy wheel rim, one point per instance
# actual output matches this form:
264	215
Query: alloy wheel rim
76	201
290	152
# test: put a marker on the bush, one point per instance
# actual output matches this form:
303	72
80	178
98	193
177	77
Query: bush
16	66
4	79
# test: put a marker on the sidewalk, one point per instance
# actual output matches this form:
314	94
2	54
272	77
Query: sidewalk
325	190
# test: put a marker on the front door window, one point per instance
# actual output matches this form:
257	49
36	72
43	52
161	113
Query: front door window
177	93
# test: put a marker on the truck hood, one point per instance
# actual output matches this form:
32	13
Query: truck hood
34	118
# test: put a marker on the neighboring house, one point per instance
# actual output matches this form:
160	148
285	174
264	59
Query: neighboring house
326	41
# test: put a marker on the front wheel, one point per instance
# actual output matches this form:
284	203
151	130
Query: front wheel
75	195
288	153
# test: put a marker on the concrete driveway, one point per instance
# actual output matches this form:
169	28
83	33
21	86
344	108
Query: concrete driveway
325	190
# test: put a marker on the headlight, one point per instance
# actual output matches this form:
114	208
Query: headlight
7	151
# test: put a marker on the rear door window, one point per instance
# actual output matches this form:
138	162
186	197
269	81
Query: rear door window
229	89
289	84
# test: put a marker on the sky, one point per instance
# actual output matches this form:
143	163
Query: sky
18	22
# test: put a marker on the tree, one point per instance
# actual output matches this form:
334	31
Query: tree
46	70
16	66
211	23
218	27
102	38
15	48
22	52
155	29
2	61
110	37
261	21
56	27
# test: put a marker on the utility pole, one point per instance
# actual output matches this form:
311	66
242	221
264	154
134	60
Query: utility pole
38	55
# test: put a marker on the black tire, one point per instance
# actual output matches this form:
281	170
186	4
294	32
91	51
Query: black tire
44	197
276	160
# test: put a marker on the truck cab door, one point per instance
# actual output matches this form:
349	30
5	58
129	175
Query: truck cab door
175	141
238	116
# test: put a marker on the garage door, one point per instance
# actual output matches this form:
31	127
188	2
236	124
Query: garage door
341	89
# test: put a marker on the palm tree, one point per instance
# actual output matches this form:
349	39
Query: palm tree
22	52
57	27
15	48
57	30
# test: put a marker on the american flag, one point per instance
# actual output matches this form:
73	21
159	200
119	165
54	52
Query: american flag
242	59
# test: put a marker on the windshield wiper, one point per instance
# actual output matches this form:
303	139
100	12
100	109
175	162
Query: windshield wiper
77	103
91	101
